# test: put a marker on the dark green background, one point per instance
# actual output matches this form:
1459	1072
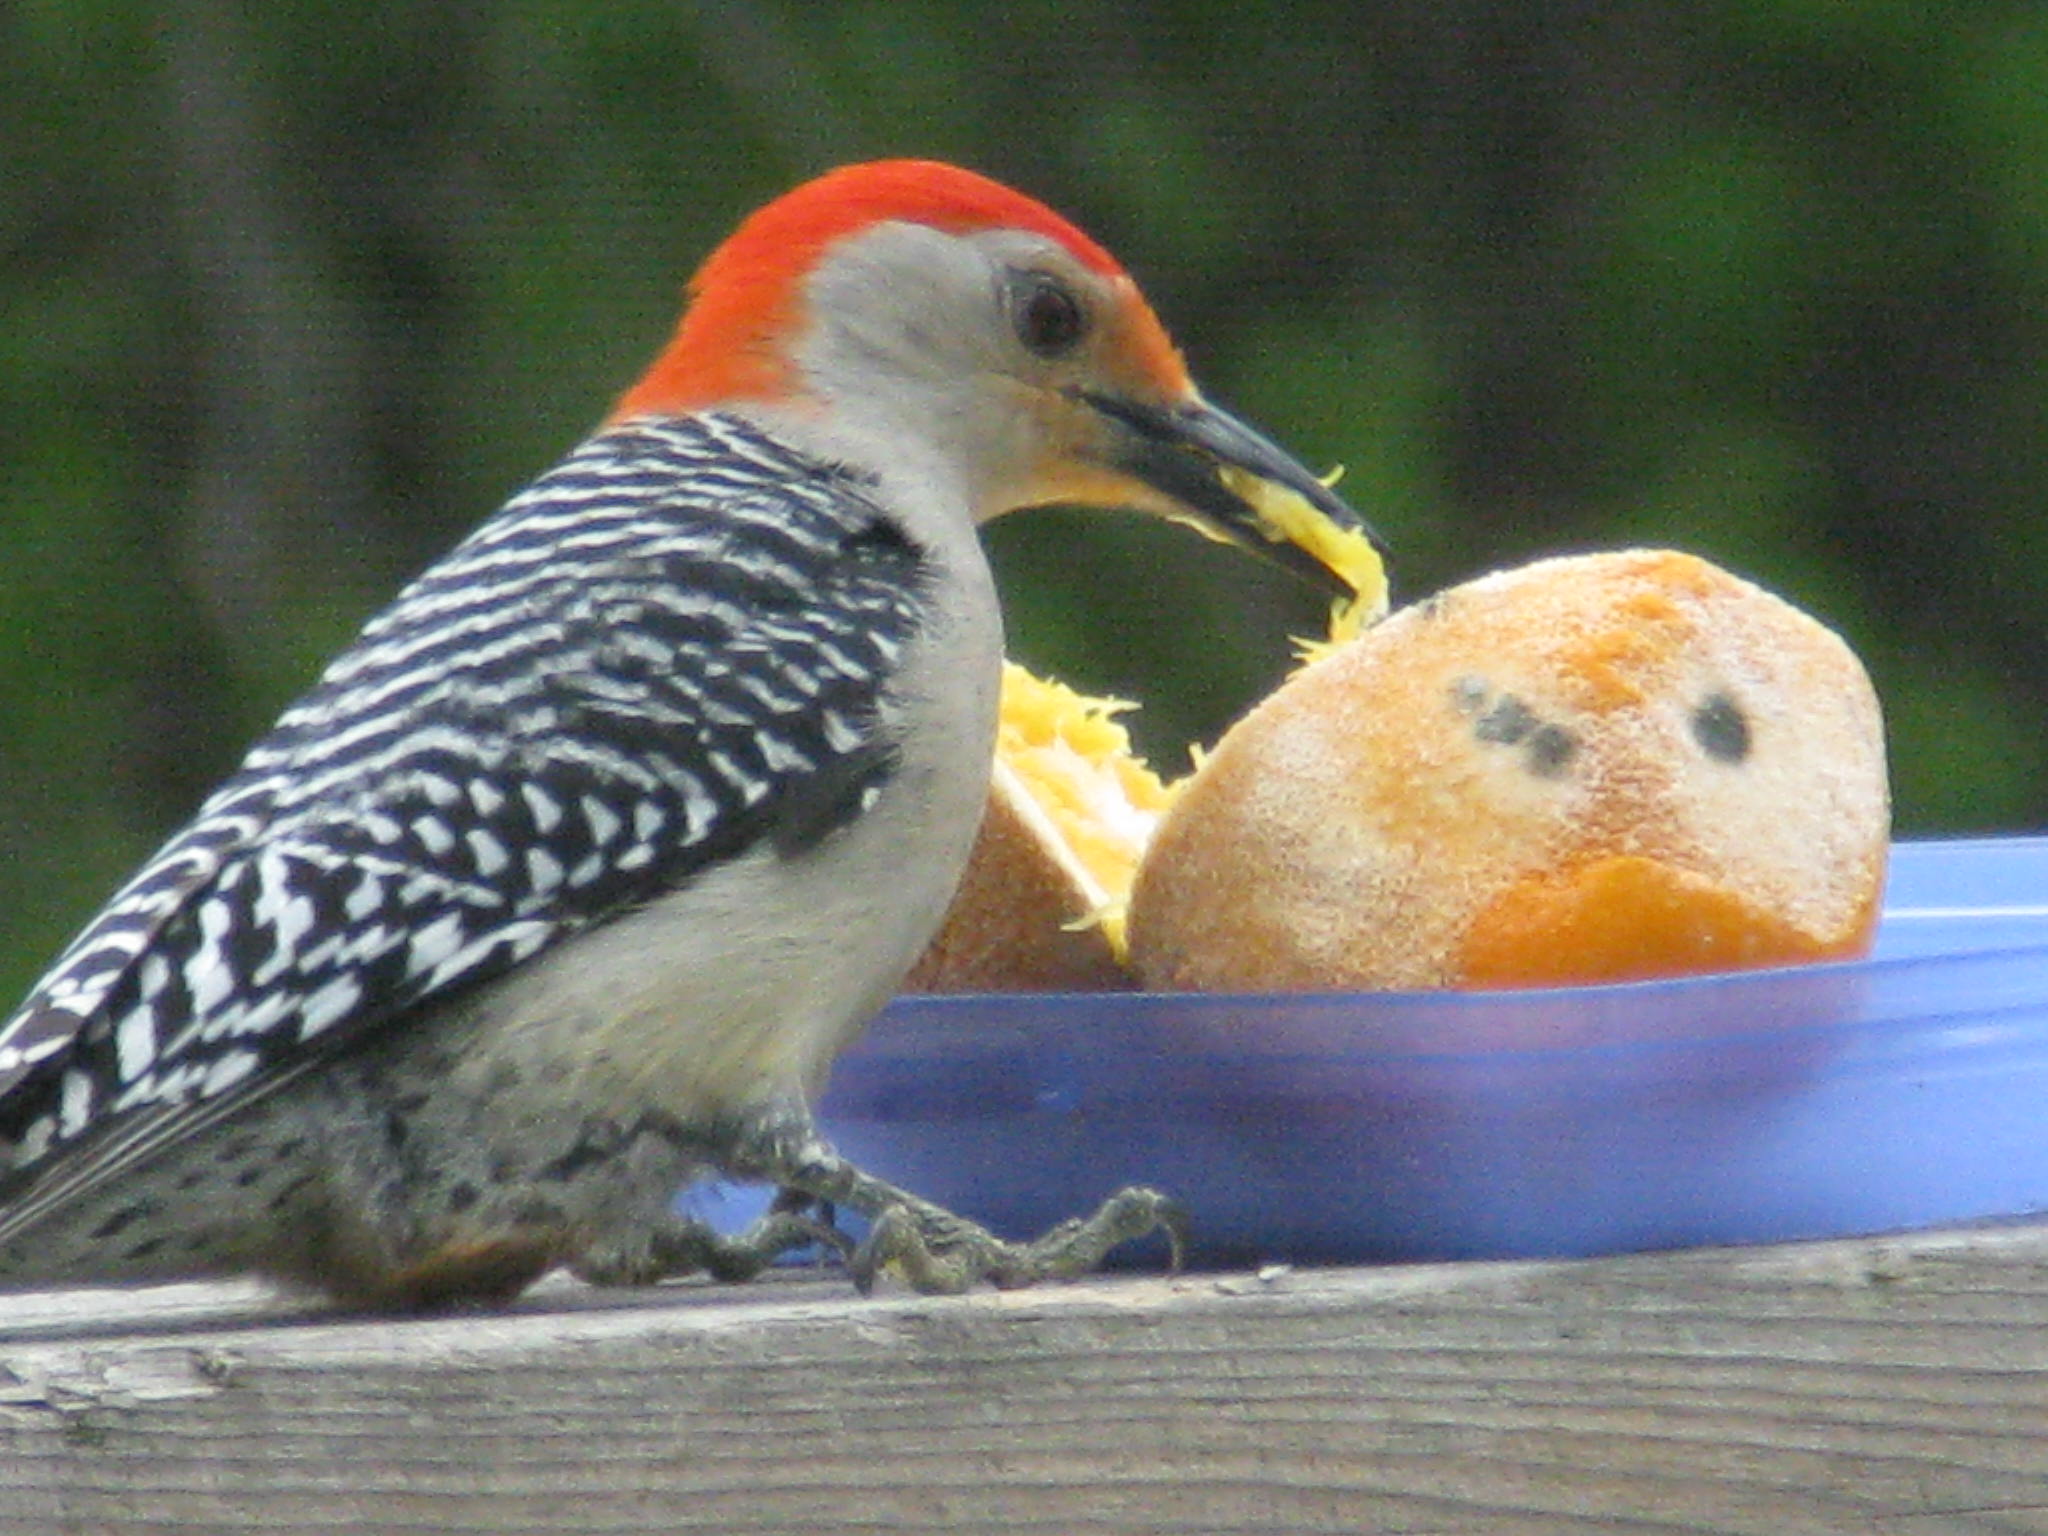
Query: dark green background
291	295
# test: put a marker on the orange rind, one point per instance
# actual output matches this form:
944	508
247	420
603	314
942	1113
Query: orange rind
1599	768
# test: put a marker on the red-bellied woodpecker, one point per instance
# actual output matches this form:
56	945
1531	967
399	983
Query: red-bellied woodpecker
568	880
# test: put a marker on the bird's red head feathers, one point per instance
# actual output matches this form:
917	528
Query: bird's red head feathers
747	294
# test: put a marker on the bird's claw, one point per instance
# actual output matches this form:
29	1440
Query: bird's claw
924	1245
933	1251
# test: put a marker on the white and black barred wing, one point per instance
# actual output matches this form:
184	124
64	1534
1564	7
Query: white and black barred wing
672	648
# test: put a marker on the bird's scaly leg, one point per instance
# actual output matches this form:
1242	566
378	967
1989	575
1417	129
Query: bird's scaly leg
928	1247
678	1245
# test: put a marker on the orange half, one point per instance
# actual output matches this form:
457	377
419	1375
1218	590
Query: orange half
1070	810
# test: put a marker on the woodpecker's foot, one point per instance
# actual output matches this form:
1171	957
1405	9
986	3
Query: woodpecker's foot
676	1246
932	1250
925	1245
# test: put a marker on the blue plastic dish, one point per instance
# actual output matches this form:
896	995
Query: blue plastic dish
1907	1090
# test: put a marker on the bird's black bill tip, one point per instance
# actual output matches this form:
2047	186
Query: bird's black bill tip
1234	484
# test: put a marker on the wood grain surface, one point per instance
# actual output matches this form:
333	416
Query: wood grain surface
1896	1387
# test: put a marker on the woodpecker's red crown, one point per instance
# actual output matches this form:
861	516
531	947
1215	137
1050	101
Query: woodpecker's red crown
746	299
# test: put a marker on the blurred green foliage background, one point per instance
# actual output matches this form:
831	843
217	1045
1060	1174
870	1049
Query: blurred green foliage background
291	295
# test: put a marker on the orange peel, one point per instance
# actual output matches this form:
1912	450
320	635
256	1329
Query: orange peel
1597	768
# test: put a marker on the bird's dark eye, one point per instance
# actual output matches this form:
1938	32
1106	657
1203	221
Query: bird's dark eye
1049	319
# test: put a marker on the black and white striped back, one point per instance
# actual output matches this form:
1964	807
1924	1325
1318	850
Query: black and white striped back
674	647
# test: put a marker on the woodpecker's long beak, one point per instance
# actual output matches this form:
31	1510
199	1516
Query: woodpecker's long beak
1231	483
